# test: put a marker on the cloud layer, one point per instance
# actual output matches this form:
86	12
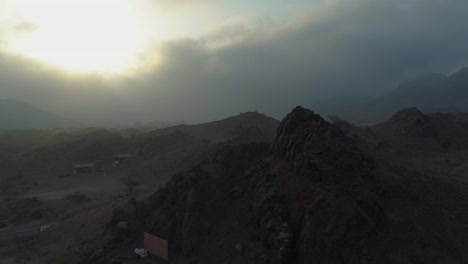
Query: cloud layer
345	49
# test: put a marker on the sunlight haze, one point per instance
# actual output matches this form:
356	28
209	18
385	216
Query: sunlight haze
108	62
115	36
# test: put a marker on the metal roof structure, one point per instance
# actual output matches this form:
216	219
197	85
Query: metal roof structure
83	166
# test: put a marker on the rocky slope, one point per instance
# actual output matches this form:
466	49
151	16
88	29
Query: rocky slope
203	212
447	131
409	121
243	128
322	194
189	205
333	210
311	199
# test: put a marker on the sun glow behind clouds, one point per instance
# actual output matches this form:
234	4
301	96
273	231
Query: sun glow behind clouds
82	35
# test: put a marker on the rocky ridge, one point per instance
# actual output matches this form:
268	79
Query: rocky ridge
314	195
328	185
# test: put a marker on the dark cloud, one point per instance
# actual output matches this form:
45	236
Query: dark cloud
346	50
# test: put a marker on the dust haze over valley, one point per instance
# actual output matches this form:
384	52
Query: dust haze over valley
122	120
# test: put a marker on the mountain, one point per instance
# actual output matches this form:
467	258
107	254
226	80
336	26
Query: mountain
447	131
251	189
319	193
20	115
331	202
433	91
148	126
409	121
429	92
248	125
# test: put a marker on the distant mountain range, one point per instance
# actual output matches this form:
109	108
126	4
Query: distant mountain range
429	92
150	126
17	115
21	115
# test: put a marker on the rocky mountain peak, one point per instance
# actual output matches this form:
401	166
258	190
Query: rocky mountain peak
301	118
299	126
409	114
317	167
410	121
317	149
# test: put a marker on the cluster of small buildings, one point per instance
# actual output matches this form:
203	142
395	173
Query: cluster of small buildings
93	168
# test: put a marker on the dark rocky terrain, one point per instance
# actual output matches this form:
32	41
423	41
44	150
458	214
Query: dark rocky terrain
38	186
396	192
234	191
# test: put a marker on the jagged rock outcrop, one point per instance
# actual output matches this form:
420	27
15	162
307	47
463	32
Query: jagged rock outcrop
270	216
185	210
176	213
318	150
328	192
310	201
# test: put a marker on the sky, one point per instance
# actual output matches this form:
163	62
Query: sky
122	61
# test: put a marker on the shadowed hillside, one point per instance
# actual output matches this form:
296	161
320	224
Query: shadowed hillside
247	125
235	190
324	193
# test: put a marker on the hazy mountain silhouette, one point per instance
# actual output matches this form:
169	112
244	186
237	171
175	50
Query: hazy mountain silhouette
21	115
430	92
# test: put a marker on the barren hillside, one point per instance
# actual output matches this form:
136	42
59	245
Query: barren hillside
324	193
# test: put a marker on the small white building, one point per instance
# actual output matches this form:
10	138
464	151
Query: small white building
83	168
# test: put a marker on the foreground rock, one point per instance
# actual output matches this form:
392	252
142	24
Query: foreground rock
206	203
328	189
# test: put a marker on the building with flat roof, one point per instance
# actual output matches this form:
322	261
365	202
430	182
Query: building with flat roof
83	168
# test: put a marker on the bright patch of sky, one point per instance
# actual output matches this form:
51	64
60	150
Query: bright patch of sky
109	35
